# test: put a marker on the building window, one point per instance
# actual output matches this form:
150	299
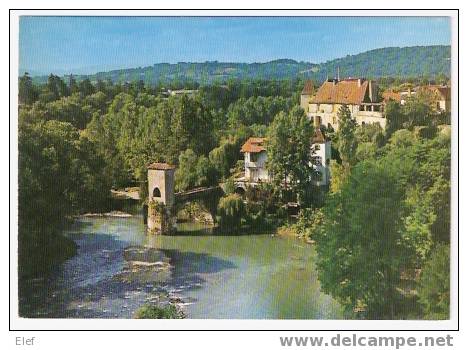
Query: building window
317	160
254	157
317	147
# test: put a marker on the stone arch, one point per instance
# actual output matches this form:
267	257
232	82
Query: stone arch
156	193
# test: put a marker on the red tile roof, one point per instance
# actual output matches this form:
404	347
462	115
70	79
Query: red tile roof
308	88
254	145
161	166
344	92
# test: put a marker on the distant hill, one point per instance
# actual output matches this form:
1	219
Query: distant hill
413	61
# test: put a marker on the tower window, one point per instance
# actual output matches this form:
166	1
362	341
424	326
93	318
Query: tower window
156	193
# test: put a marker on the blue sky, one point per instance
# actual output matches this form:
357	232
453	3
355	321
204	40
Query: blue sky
89	44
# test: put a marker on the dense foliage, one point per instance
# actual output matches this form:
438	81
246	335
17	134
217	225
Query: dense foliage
388	202
391	210
289	153
60	174
434	288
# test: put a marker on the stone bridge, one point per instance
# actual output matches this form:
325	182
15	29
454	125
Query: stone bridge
164	203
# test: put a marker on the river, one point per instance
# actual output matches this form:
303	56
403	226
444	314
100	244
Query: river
118	268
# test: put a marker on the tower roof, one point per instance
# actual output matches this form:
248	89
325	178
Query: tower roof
161	166
308	88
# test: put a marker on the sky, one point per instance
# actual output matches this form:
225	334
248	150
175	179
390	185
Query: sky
85	45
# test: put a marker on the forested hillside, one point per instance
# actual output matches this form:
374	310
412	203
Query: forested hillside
417	61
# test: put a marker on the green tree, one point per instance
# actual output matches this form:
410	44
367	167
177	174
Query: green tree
85	87
231	210
289	152
347	143
434	286
193	171
27	93
60	174
360	227
72	85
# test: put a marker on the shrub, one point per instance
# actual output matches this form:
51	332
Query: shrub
231	210
157	312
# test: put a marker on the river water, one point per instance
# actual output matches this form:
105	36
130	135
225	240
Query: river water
119	268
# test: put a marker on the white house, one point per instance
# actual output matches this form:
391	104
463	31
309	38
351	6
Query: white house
255	157
321	155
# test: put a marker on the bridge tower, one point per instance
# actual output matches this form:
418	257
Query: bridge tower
161	198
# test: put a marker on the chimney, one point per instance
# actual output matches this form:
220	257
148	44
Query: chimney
371	93
317	122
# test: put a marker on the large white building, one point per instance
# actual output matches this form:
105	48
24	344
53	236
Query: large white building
358	94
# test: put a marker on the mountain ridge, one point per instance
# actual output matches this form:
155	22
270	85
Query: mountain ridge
427	61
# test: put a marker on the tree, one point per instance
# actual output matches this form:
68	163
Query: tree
361	227
27	93
85	87
193	171
395	118
339	175
72	85
225	156
231	210
347	143
60	174
434	286
289	152
390	210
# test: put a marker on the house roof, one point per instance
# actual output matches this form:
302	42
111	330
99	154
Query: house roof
254	145
161	166
308	88
347	91
391	95
442	91
319	137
